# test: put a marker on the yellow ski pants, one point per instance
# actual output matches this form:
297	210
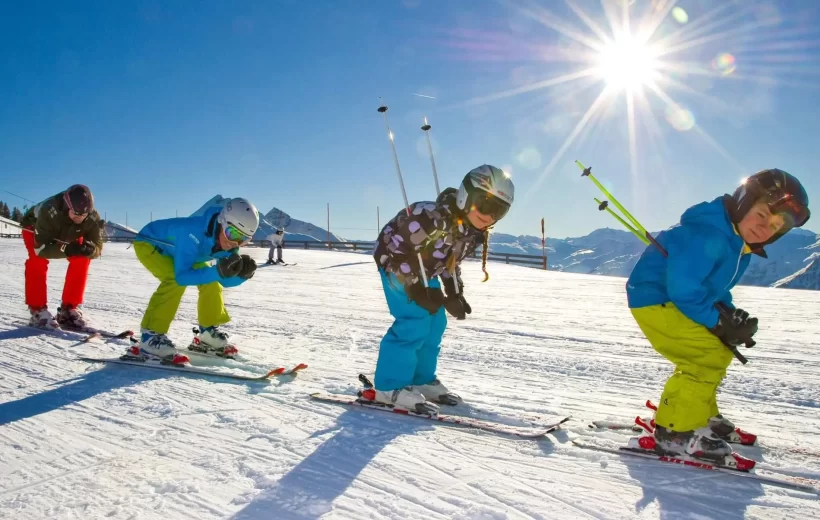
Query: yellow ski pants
689	398
165	301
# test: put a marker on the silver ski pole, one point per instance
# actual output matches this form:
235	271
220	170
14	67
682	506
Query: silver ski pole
140	235
426	127
383	110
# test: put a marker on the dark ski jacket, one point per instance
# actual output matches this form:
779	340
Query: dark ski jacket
50	222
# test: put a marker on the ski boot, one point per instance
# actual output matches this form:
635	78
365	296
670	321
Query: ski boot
436	392
70	317
724	428
703	444
211	340
42	318
153	346
404	398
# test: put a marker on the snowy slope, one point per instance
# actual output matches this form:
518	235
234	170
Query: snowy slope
114	229
809	276
83	441
806	278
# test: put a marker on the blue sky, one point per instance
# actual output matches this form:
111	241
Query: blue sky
159	105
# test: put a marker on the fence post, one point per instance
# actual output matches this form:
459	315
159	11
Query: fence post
543	244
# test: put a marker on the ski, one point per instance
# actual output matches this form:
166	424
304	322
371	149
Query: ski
188	369
89	333
636	427
92	332
619	425
794	482
614	425
281	371
468	422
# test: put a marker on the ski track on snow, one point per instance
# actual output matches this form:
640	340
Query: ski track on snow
95	441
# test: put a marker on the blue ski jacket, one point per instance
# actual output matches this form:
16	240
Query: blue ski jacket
706	259
190	241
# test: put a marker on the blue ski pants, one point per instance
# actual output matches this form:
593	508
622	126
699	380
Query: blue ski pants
408	354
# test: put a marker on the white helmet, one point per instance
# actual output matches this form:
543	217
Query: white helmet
487	189
240	214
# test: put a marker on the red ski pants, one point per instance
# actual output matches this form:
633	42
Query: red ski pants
37	272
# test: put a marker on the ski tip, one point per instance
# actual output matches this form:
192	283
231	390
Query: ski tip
276	372
300	366
125	334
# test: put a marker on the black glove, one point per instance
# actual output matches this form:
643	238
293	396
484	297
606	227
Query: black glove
455	303
229	266
427	298
735	327
77	249
248	267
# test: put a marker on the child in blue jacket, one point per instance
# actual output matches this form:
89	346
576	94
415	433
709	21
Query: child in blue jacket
200	250
675	301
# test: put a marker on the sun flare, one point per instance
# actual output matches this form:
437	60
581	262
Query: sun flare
645	66
627	63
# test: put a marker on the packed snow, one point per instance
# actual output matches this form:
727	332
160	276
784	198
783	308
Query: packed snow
104	441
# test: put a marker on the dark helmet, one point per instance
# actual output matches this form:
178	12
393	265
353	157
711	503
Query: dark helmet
781	191
79	199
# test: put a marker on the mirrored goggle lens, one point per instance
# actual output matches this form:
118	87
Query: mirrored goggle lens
795	213
234	234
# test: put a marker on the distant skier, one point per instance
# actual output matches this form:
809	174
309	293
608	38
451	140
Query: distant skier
277	240
62	226
673	300
201	250
444	232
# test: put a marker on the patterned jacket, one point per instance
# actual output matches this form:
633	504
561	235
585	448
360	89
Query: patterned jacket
437	230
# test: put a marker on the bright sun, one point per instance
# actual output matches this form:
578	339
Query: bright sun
627	63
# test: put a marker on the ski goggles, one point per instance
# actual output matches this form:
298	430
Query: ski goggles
491	206
234	234
794	211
